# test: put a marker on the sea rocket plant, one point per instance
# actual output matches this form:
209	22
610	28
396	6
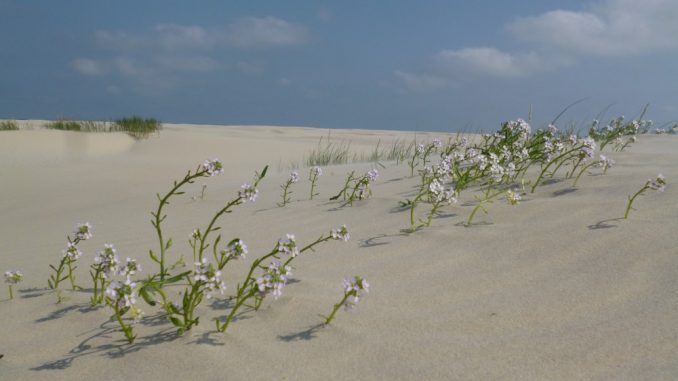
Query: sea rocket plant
209	168
313	175
658	184
286	192
275	275
105	265
354	290
71	254
203	282
13	277
120	296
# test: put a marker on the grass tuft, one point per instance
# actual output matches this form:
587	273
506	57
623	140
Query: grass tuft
137	127
8	125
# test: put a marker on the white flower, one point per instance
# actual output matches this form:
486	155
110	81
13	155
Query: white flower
274	279
72	252
316	171
248	192
340	233
107	260
209	277
513	197
130	268
83	232
235	250
13	276
294	177
358	287
658	184
372	174
437	143
436	187
213	167
288	246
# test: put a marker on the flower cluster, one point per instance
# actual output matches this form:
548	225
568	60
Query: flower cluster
294	177
209	277
513	197
235	250
107	261
83	232
357	288
13	276
248	192
340	233
122	293
658	184
71	252
274	279
129	268
288	246
213	167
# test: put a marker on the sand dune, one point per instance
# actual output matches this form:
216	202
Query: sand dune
555	288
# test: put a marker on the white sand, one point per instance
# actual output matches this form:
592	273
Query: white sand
555	288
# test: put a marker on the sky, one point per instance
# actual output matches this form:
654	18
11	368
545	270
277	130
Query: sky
392	64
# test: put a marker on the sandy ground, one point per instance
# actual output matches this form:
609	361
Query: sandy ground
555	288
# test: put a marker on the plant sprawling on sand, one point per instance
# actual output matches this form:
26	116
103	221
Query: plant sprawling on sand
13	277
274	275
658	184
313	176
286	192
357	188
354	290
71	254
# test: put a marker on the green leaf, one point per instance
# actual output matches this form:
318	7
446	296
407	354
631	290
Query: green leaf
176	321
168	244
147	297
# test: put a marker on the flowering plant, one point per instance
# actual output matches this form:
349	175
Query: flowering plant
313	175
286	192
71	254
354	290
13	277
658	184
274	276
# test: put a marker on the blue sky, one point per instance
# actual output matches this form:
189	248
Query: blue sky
425	65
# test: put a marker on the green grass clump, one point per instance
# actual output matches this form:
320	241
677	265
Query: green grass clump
329	153
64	125
137	127
8	125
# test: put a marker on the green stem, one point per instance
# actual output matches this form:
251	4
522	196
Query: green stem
159	217
203	237
628	207
238	304
543	171
337	306
11	293
574	184
480	206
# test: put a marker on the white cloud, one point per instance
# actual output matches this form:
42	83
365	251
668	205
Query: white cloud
172	36
609	28
188	63
87	66
488	61
269	31
126	66
421	82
